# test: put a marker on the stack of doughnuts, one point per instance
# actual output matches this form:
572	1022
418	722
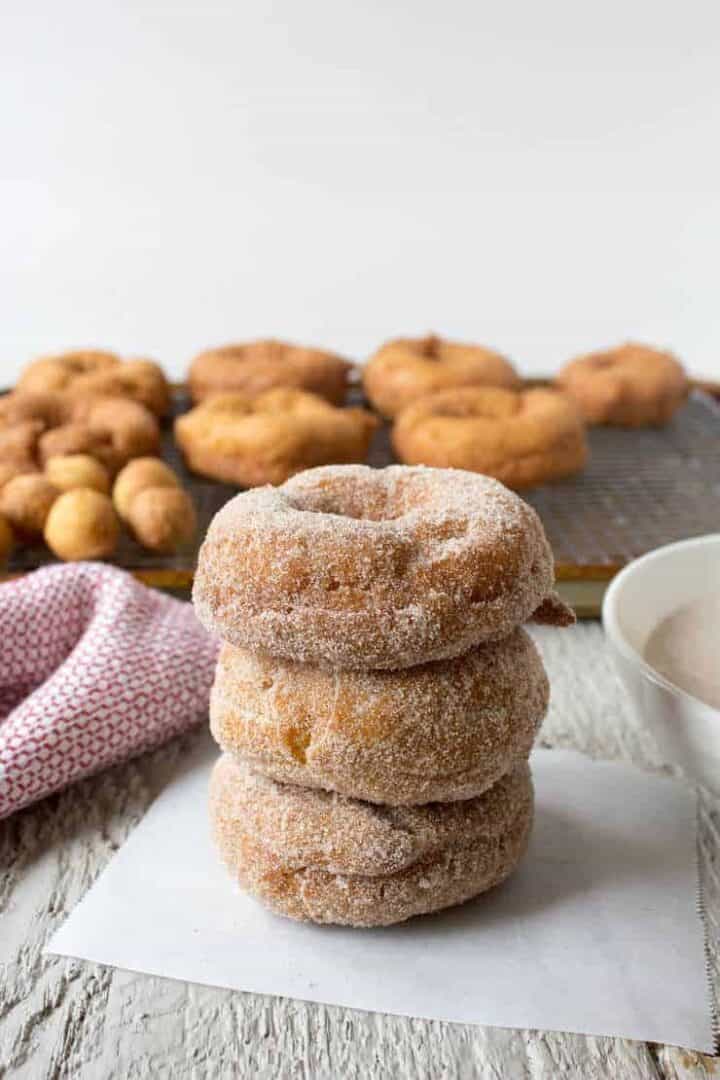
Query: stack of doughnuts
376	697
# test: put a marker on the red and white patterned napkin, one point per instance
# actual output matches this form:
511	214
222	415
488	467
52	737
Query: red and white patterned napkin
94	668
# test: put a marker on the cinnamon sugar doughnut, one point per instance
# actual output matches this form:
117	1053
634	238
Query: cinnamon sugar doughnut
320	857
406	369
435	732
521	437
363	568
257	366
140	380
630	386
264	440
53	373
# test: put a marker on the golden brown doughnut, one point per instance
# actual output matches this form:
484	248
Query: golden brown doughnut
256	366
74	438
18	445
53	373
406	369
132	429
77	471
320	857
10	468
521	437
26	500
266	439
82	524
7	541
137	475
629	386
139	380
435	732
352	567
162	518
50	409
37	425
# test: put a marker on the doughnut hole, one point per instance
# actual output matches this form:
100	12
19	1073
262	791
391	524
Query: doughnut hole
25	501
77	471
82	524
163	519
142	473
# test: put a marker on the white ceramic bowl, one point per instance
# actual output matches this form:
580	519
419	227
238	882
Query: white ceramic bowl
687	731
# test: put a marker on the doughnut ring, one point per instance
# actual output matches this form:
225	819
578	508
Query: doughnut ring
264	440
140	380
319	857
101	373
406	369
353	567
521	437
129	429
433	733
629	386
38	425
53	373
48	408
257	366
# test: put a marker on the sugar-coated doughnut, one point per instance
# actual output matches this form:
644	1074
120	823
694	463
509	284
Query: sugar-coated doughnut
266	439
137	475
406	369
317	856
77	471
521	437
257	366
25	501
139	380
630	386
7	540
362	568
82	524
53	373
162	518
434	732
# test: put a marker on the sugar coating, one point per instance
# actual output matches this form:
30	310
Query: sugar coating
318	856
353	567
441	731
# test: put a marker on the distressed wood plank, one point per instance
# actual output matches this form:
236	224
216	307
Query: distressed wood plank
61	1018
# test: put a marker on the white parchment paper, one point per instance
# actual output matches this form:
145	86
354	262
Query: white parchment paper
597	932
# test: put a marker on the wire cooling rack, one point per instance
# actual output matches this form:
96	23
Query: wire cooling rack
640	489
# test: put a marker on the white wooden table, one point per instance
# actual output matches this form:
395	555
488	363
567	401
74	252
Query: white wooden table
61	1018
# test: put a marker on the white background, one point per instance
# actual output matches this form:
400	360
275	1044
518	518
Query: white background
542	177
